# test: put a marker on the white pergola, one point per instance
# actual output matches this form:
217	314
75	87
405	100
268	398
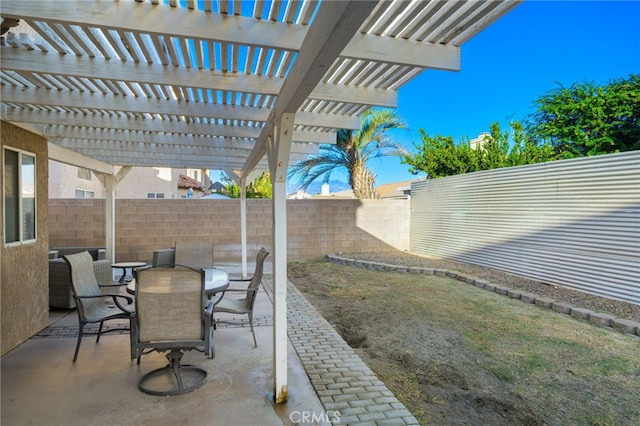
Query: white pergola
241	86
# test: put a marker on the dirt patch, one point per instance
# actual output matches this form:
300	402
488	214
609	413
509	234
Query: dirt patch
446	383
458	355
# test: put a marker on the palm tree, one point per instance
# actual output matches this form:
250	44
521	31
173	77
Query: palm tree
352	151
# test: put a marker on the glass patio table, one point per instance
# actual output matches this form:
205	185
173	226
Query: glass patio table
215	281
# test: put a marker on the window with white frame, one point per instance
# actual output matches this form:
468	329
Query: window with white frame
155	194
19	192
84	193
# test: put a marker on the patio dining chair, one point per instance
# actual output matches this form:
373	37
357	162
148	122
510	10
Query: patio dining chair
244	306
91	297
195	255
173	316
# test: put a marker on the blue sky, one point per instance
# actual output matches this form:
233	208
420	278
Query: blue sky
512	63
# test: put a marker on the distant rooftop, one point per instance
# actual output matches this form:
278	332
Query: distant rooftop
186	182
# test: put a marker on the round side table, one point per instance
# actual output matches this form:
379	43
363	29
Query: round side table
124	266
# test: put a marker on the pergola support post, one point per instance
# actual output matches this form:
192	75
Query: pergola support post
110	215
278	154
110	182
243	224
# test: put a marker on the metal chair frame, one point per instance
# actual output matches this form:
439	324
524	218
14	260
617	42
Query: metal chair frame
243	306
175	378
90	297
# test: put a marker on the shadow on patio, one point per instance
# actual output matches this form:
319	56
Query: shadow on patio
40	384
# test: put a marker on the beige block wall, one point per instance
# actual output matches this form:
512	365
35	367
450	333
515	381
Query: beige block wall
315	227
24	269
76	222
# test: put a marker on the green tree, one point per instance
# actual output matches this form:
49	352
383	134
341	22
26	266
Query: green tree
493	152
260	187
586	119
439	156
525	150
352	151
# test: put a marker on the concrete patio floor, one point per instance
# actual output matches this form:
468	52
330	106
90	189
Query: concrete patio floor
41	385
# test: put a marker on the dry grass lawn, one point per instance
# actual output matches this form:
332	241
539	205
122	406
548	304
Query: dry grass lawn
456	354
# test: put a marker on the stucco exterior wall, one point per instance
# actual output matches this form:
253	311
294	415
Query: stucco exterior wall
142	180
315	227
24	285
63	182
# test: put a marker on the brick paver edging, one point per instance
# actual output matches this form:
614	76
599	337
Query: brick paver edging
622	325
347	388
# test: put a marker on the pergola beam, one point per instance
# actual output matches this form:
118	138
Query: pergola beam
67	156
403	52
20	60
144	148
69	120
105	139
161	20
181	23
171	162
133	105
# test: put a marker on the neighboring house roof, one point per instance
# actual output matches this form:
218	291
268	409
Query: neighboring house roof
216	187
300	194
390	190
396	189
214	197
345	193
186	182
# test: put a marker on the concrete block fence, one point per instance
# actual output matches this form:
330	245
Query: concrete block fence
622	325
315	227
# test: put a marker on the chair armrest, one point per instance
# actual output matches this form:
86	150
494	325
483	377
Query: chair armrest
236	290
115	298
108	286
111	289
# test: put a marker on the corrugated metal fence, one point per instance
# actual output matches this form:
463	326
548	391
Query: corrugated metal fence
574	223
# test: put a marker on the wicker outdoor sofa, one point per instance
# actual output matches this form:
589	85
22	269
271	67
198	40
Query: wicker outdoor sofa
60	295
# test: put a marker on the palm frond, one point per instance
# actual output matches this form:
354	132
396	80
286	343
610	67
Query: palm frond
352	151
329	159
